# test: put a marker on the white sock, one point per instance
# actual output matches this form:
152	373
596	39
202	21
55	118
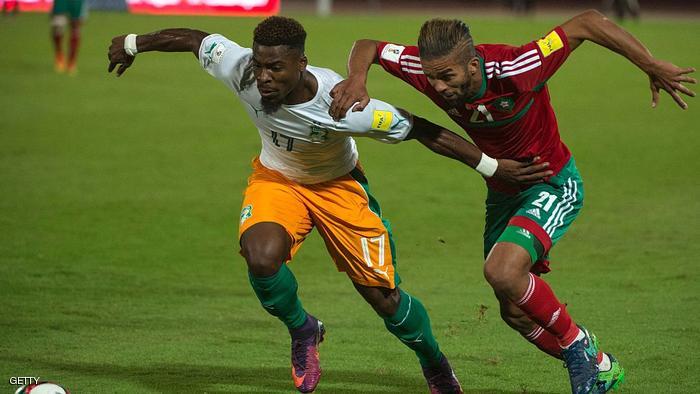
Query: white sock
605	364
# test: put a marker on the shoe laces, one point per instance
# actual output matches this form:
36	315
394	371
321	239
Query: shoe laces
576	363
299	352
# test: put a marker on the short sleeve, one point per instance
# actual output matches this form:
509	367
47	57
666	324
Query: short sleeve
379	120
224	59
531	65
403	62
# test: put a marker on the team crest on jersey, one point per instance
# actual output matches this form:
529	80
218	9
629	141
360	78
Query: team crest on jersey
218	53
503	104
318	133
246	212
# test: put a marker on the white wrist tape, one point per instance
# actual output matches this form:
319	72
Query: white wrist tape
130	45
487	166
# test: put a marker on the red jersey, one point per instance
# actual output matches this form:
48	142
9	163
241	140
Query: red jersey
511	115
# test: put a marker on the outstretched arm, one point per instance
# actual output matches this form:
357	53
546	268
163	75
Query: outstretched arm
594	26
449	144
168	40
353	89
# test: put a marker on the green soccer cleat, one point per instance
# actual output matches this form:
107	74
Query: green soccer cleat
612	378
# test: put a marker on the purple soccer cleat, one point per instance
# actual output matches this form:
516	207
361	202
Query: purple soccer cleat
306	370
441	379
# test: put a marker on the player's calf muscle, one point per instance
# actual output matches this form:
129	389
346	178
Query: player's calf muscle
514	316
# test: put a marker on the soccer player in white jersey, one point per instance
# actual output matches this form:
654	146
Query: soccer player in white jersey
308	175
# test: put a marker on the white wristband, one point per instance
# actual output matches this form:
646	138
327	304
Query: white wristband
487	166
130	45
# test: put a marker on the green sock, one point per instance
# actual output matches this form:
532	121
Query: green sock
278	295
411	325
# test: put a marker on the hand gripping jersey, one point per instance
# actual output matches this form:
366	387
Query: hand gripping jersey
511	115
302	141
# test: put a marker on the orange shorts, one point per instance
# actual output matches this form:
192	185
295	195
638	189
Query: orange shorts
344	212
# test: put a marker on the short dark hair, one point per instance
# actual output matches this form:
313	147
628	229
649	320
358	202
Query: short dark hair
278	30
438	37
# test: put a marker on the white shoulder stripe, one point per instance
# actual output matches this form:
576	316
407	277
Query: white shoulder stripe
409	57
512	67
411	70
517	59
411	64
520	70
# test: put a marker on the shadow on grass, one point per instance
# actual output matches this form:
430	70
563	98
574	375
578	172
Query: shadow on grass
186	378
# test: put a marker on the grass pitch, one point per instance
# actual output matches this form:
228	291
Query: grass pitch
119	269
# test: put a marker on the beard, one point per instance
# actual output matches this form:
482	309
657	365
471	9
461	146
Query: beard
460	98
464	94
270	107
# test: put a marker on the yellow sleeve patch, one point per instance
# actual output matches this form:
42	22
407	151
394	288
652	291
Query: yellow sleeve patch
381	120
550	43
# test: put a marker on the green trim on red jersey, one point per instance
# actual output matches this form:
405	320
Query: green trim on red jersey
482	89
502	122
539	86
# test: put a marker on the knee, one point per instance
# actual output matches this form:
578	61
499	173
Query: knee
75	28
264	257
387	306
384	301
506	267
58	24
499	275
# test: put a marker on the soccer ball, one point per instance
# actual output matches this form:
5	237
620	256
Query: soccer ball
42	388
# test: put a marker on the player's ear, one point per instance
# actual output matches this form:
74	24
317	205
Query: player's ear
473	66
303	62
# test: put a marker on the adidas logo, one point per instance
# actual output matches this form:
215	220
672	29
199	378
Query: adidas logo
534	212
524	233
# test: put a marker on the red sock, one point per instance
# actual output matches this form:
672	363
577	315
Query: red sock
74	44
545	341
542	306
57	40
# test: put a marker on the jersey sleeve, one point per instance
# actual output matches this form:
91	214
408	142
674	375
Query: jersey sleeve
403	62
224	60
379	120
532	64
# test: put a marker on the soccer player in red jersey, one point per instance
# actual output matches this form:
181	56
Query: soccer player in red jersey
308	176
498	94
63	13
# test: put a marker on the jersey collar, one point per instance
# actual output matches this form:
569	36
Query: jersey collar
482	89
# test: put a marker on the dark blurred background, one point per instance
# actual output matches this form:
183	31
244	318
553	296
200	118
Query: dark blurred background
629	9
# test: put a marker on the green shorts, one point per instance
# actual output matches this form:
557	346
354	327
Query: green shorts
75	9
535	218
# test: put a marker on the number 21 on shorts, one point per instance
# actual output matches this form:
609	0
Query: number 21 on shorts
544	196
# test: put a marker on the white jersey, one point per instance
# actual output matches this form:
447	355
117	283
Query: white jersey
302	141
